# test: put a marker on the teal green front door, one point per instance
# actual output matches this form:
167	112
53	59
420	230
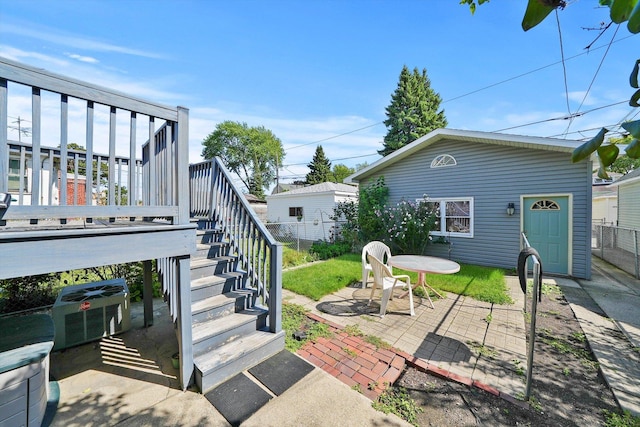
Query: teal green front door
546	225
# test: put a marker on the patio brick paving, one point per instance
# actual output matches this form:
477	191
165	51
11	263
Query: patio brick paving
457	340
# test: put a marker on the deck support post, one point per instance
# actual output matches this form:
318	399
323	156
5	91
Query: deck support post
275	290
185	341
147	293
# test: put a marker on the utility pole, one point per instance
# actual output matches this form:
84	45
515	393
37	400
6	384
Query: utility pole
277	172
20	129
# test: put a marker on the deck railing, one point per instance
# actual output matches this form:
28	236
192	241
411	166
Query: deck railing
115	157
113	175
215	198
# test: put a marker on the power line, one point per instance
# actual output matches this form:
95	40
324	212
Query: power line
530	72
334	160
335	136
507	80
567	117
594	76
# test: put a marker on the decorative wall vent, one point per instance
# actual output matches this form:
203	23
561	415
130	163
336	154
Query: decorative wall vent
443	160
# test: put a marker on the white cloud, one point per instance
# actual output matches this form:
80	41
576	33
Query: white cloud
299	136
20	55
76	41
82	58
582	98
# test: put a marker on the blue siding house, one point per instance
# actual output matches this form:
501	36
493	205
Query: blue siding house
491	187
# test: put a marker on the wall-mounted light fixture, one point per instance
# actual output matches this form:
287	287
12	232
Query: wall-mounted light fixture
511	209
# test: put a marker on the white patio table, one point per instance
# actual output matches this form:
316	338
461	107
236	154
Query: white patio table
422	265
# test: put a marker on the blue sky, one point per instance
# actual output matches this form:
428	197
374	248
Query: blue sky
322	72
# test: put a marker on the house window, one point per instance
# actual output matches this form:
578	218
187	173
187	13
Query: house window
443	160
296	212
545	205
15	182
455	216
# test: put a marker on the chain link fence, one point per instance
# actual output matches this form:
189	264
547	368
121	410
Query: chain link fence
300	235
618	246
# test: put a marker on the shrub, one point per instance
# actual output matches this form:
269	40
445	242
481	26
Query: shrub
292	258
24	293
326	250
359	222
407	226
372	199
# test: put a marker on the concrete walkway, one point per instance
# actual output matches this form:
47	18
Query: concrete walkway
129	380
608	309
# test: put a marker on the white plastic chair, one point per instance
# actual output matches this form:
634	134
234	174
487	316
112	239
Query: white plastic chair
384	278
378	250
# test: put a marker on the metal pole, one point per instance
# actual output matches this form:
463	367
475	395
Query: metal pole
532	333
635	246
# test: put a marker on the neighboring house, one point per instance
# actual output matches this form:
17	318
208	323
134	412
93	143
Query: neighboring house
628	188
604	205
20	184
258	205
312	206
20	179
490	187
282	188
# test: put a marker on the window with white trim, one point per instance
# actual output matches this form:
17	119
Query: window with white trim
295	211
15	180
545	205
455	216
443	160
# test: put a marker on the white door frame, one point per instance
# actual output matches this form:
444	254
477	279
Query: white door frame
569	222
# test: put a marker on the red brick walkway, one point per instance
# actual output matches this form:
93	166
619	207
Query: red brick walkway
354	361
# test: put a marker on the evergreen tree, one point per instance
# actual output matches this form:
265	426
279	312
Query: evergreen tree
413	112
319	168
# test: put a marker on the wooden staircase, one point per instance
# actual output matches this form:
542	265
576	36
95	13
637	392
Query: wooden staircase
229	326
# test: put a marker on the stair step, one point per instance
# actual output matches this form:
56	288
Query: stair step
216	332
225	361
208	235
206	287
221	305
207	267
211	250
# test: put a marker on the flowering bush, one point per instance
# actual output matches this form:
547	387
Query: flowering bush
407	226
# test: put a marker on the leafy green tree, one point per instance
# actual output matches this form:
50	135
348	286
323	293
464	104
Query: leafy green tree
623	164
413	112
252	153
360	166
319	168
620	11
340	172
82	165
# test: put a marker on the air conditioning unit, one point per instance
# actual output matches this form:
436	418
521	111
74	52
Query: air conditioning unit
90	311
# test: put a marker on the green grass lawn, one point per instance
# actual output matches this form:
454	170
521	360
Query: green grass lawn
322	278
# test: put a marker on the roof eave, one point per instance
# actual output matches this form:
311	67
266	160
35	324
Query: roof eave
538	143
